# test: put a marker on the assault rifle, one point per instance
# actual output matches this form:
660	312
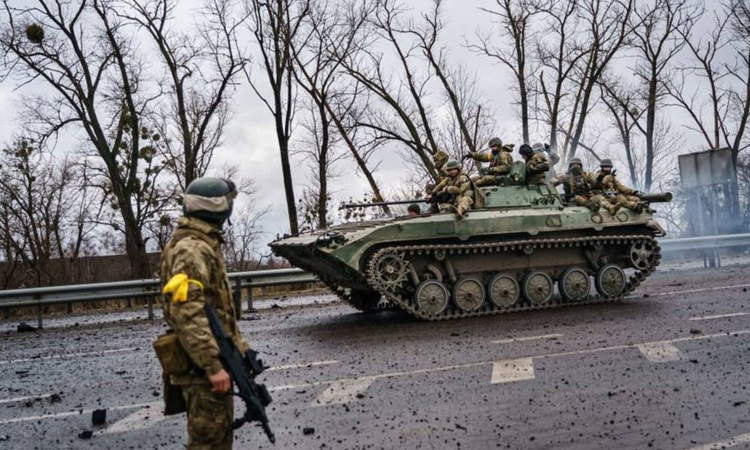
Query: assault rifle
242	369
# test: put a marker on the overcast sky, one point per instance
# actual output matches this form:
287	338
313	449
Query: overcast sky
250	141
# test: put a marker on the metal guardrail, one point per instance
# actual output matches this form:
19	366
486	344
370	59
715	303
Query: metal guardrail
149	289
241	281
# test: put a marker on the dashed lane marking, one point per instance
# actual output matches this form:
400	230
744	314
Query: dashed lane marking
511	370
660	352
527	338
720	316
690	291
74	413
71	355
302	365
23	399
731	442
145	417
343	391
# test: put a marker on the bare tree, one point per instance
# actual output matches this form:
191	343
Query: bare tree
274	25
606	27
82	54
202	66
514	18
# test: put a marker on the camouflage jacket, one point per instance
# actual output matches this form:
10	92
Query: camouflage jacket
500	162
195	250
536	168
608	182
458	186
574	184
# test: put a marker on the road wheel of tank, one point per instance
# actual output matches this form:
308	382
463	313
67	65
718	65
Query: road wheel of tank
642	255
468	294
364	300
574	284
610	280
431	297
538	287
503	290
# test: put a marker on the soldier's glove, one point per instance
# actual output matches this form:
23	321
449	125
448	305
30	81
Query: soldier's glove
638	193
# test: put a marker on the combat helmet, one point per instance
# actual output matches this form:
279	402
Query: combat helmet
452	164
575	161
495	142
525	149
209	199
606	162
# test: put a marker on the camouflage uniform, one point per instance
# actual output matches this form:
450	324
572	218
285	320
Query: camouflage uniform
578	190
616	192
195	250
438	161
500	163
460	187
536	169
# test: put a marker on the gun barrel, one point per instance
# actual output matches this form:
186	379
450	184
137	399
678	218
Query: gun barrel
371	205
657	197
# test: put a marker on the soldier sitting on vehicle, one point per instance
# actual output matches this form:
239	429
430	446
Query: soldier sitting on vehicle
577	186
500	159
605	183
536	165
455	192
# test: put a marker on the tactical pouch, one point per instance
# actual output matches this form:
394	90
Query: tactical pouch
174	361
173	358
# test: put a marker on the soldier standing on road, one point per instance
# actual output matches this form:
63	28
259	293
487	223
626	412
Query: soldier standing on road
577	186
614	191
193	269
458	186
536	165
500	159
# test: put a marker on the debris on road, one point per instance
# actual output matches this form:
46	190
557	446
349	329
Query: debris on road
24	327
695	331
99	416
308	431
88	434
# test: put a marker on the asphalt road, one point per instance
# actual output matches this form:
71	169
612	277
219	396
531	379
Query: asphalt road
664	369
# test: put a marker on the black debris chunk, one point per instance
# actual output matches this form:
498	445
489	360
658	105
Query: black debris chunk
55	398
460	427
308	431
24	327
88	434
4	437
275	306
695	331
740	403
99	416
455	334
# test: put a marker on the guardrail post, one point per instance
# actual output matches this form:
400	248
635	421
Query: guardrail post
39	311
250	307
238	297
150	303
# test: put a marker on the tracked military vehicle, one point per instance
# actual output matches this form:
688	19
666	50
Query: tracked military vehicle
521	249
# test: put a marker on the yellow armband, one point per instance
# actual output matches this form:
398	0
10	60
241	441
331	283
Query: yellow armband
178	287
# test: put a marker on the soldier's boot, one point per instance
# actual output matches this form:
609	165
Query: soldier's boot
448	208
613	208
633	206
592	205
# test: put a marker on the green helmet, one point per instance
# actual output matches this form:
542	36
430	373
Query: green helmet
452	164
495	142
606	162
209	199
575	161
414	208
525	149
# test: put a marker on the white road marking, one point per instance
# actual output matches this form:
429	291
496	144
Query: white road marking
527	338
74	413
510	370
690	291
660	352
343	391
731	442
71	355
143	418
720	316
302	365
23	399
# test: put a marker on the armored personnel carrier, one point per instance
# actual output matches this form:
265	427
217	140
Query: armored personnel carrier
521	249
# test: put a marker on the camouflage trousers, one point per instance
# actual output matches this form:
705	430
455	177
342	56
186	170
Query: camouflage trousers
485	180
592	202
463	204
209	418
630	202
